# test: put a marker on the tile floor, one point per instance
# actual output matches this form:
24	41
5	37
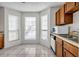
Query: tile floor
27	51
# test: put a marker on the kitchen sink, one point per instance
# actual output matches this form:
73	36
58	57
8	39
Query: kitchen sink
73	38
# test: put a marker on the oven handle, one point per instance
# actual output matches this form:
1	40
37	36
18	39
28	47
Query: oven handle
54	37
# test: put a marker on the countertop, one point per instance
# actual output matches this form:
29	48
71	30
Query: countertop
66	39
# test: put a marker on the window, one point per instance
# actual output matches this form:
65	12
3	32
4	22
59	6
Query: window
13	27
44	27
30	28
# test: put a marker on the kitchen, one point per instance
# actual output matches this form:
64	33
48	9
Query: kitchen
66	33
48	31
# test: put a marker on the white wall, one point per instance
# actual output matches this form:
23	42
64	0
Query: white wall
28	14
52	16
51	21
75	25
8	43
1	19
45	42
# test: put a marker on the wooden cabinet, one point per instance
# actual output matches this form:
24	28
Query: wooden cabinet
67	53
1	41
77	4
65	14
58	47
65	49
71	7
58	17
72	49
62	15
62	18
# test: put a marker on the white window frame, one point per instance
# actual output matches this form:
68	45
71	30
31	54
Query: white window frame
42	29
31	30
17	30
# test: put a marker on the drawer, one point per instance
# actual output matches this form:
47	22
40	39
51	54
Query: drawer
59	40
72	49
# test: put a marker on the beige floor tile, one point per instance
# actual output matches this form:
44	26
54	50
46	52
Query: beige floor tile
27	51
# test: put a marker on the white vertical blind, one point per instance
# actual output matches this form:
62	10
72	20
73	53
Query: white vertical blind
30	28
44	27
13	27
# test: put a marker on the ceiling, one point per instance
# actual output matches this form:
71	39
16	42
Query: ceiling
30	6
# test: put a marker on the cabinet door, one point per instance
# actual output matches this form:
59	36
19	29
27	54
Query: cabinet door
62	16
71	48
78	52
70	6
58	17
67	54
58	50
1	42
58	47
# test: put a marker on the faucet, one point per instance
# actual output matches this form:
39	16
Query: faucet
68	30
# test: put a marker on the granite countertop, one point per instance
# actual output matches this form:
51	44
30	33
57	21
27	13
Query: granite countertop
75	43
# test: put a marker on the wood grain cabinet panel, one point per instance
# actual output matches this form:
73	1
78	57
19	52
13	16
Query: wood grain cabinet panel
58	17
71	7
67	54
1	41
58	47
62	15
72	49
78	52
77	3
62	18
59	41
65	49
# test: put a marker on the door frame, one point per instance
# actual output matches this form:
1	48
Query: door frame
37	28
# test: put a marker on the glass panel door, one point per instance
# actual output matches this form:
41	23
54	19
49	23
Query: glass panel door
30	28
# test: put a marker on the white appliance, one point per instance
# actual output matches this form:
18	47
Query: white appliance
53	43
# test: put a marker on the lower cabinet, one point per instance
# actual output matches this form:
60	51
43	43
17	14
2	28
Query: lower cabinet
67	53
65	49
1	41
71	48
58	47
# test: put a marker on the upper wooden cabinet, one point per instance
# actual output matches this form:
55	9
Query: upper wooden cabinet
58	17
62	15
71	7
62	18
